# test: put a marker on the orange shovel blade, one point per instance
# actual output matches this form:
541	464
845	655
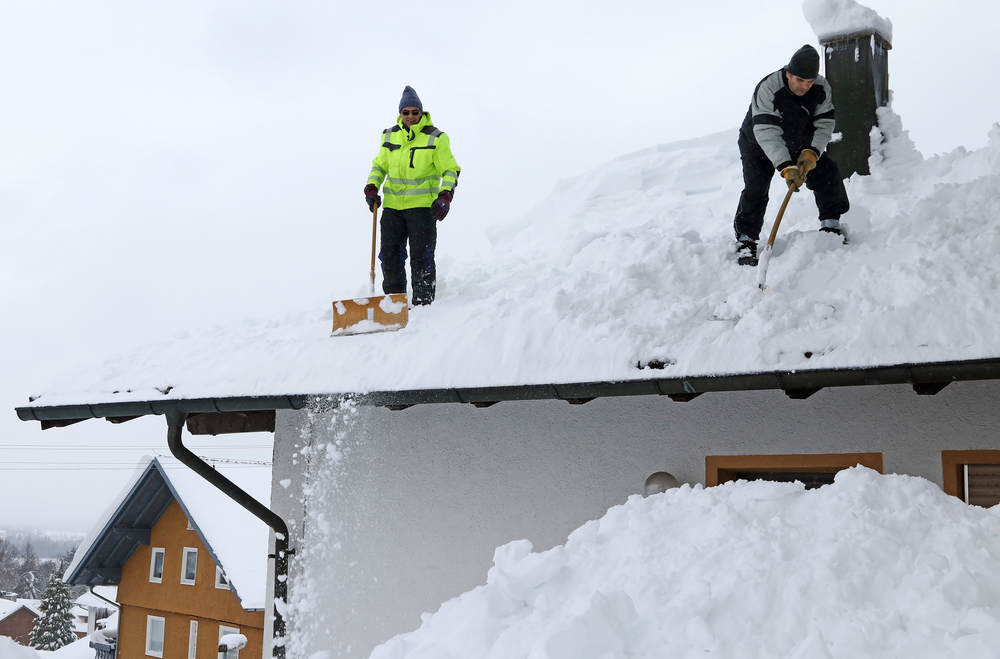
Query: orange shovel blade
384	313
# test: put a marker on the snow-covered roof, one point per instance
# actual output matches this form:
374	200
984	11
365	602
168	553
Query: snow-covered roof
870	566
633	262
8	608
236	540
89	599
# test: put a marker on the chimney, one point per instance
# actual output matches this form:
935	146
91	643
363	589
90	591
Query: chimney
857	67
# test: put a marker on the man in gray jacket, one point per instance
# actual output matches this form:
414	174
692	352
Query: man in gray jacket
787	128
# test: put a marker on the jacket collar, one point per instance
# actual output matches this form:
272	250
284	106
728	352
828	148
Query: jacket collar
425	120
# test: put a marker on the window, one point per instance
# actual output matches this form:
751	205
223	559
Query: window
193	640
154	636
232	654
812	470
156	565
190	525
189	566
220	579
972	476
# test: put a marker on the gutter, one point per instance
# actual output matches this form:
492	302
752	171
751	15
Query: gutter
925	378
103	599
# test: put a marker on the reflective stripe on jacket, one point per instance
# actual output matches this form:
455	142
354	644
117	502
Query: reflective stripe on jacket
784	124
415	164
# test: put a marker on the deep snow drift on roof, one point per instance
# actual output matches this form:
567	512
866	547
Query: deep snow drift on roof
633	262
870	566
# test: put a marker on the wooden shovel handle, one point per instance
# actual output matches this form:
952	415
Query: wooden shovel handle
371	281
781	211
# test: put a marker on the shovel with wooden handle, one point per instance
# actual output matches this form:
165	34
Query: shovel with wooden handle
766	257
384	313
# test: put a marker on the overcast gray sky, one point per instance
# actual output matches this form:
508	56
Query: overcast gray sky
171	166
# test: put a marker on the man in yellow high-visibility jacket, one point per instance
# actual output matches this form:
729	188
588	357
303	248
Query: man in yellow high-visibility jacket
420	176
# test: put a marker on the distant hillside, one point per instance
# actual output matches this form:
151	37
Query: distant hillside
47	544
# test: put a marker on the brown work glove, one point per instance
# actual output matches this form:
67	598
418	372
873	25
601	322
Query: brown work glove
806	162
793	177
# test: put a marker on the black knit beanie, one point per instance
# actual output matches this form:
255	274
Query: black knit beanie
804	63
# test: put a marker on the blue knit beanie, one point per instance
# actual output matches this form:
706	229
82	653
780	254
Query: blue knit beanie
410	99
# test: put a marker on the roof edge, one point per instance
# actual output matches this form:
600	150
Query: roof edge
916	374
76	567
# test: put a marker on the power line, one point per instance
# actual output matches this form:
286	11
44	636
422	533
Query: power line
44	465
123	464
137	447
114	467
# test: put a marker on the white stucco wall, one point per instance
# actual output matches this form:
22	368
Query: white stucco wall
410	514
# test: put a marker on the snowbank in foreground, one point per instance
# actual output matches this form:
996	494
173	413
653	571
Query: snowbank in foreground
871	566
79	649
11	649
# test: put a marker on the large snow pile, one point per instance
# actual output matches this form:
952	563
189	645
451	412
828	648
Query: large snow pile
79	649
634	262
11	649
834	18
870	566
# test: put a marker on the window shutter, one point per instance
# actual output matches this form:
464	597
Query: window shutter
982	485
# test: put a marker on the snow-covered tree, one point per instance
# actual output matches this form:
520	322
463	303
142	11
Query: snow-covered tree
9	565
64	561
29	583
54	628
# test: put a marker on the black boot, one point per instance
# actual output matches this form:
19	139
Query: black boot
834	227
423	273
831	226
746	251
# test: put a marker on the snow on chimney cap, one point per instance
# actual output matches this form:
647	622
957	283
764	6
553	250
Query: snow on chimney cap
836	18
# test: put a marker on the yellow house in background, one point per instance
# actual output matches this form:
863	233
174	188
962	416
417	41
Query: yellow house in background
190	564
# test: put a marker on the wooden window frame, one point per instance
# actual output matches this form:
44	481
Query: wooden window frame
953	463
152	564
723	468
184	580
163	640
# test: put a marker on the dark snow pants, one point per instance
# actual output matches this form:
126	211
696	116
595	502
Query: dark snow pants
824	181
419	227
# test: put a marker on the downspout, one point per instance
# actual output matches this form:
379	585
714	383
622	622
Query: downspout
175	429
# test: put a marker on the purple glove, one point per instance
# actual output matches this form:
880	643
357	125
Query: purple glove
371	197
441	205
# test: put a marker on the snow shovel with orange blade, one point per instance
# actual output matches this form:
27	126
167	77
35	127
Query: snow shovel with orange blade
766	258
383	313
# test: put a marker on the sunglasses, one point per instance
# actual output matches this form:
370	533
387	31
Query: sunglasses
407	113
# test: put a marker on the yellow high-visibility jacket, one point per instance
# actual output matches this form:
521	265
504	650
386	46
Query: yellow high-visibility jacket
415	163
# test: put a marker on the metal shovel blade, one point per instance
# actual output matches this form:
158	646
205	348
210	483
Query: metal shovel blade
765	259
385	313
